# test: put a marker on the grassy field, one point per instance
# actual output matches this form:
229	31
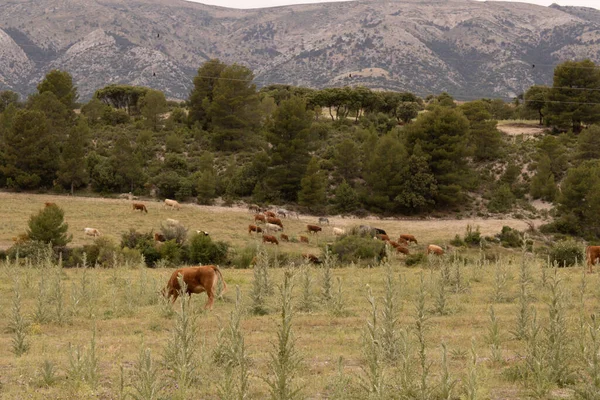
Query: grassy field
337	357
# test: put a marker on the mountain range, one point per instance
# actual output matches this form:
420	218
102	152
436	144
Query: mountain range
467	48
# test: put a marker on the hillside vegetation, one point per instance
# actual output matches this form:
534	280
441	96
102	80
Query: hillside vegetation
333	151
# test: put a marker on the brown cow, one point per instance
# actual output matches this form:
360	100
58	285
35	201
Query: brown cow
253	208
313	228
159	237
402	249
259	217
393	244
385	238
284	238
198	280
139	206
402	241
254	228
303	239
270	214
312	258
49	204
409	238
270	239
434	249
592	253
275	221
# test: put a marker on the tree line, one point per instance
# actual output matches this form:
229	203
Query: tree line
336	150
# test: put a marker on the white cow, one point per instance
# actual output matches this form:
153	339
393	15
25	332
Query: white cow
91	232
172	203
272	227
339	231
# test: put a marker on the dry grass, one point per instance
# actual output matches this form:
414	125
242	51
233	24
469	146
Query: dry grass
321	337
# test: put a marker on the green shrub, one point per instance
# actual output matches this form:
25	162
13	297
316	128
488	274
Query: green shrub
457	241
352	248
566	253
243	258
414	259
170	252
502	199
103	252
510	237
48	226
472	237
33	250
202	250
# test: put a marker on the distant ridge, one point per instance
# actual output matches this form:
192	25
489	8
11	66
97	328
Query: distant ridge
469	49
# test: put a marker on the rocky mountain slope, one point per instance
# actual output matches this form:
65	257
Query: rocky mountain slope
467	48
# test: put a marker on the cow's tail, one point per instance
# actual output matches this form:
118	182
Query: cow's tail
218	271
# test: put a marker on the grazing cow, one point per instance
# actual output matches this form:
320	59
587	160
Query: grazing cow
379	231
282	213
171	221
273	227
592	253
409	238
159	237
402	249
393	244
338	231
198	280
323	220
172	204
284	237
275	221
402	241
139	206
312	258
434	249
49	204
91	232
254	228
253	208
270	239
202	233
385	238
303	239
270	214
313	228
259	217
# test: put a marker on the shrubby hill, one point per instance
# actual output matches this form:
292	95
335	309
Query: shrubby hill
346	150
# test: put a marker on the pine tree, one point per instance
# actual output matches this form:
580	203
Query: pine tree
152	106
30	152
289	136
543	185
48	226
233	110
419	186
345	199
72	171
201	96
312	193
60	83
347	159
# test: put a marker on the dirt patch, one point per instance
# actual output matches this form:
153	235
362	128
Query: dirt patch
521	129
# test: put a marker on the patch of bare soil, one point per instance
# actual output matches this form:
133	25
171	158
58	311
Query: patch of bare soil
521	129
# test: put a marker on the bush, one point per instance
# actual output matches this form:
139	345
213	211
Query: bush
48	226
353	248
170	252
202	250
33	250
457	241
510	237
502	199
103	252
472	237
414	259
244	257
176	232
566	253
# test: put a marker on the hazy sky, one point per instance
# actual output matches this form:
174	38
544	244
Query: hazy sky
274	3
